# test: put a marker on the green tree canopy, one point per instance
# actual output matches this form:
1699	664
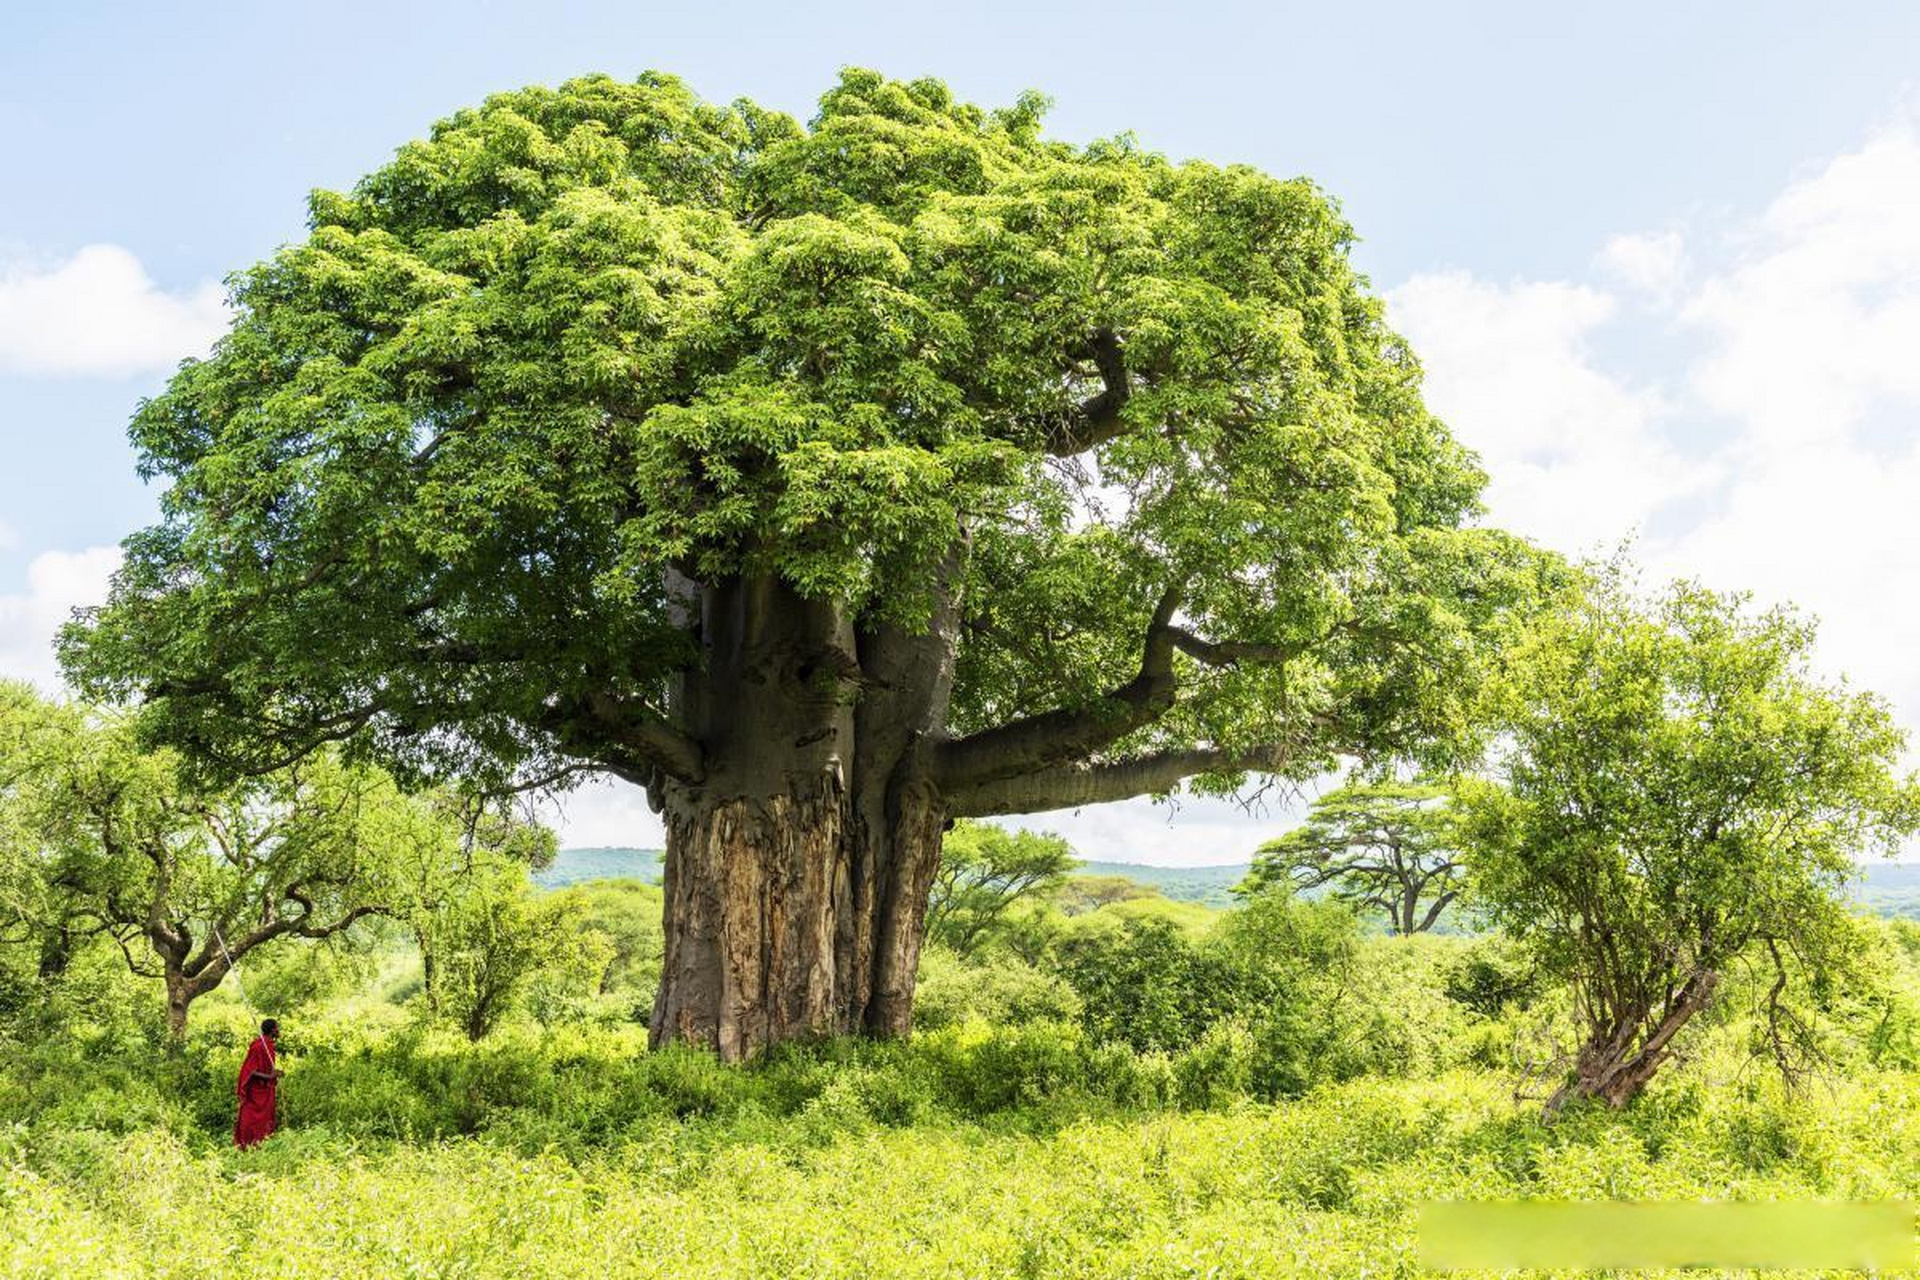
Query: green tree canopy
900	465
984	872
104	839
1678	791
1387	846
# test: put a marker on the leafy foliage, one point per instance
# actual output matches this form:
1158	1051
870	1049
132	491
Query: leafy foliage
433	491
1389	846
104	839
495	936
1679	792
984	870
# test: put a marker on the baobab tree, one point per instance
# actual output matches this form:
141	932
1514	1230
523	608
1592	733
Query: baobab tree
830	481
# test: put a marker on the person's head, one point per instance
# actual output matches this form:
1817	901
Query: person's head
270	1028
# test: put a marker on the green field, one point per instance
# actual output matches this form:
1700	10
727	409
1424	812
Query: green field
1006	1139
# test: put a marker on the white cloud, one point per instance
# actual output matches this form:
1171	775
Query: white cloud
1814	348
1195	832
99	314
1652	264
603	813
1575	453
1817	322
58	582
1804	323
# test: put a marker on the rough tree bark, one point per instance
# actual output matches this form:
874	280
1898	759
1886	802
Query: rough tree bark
801	847
1621	1054
805	780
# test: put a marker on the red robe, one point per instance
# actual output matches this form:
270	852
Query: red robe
255	1121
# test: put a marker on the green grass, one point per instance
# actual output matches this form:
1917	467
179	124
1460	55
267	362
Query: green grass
1325	1186
1001	1140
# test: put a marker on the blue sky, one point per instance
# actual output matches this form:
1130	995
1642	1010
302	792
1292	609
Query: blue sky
1663	261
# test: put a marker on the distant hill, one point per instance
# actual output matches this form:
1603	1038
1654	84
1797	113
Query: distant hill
1210	885
1887	889
1891	889
571	866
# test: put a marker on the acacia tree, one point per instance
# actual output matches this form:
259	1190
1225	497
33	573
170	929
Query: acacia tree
983	871
1678	792
1390	846
435	894
188	882
830	481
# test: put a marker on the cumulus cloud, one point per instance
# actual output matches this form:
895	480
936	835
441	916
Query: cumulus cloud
1803	321
1653	263
1576	454
1196	832
99	314
58	582
1811	334
1816	324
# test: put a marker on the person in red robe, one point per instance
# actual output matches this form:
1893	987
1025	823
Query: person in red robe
259	1076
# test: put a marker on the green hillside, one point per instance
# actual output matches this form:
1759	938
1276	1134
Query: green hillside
1886	889
1210	885
571	866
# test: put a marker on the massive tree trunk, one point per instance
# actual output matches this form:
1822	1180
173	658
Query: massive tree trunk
805	778
798	862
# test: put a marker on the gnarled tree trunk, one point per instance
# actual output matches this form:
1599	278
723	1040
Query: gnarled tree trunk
798	863
805	778
183	990
1620	1057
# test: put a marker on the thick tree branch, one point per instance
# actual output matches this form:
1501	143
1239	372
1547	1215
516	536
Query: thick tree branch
1097	420
1058	736
1227	653
1069	785
629	738
1063	736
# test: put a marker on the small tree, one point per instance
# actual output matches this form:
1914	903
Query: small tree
1389	846
984	870
1677	791
432	886
109	841
495	933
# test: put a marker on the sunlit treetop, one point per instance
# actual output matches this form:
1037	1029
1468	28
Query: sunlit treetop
444	487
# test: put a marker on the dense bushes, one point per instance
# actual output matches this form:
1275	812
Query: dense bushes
1325	1186
1129	1090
